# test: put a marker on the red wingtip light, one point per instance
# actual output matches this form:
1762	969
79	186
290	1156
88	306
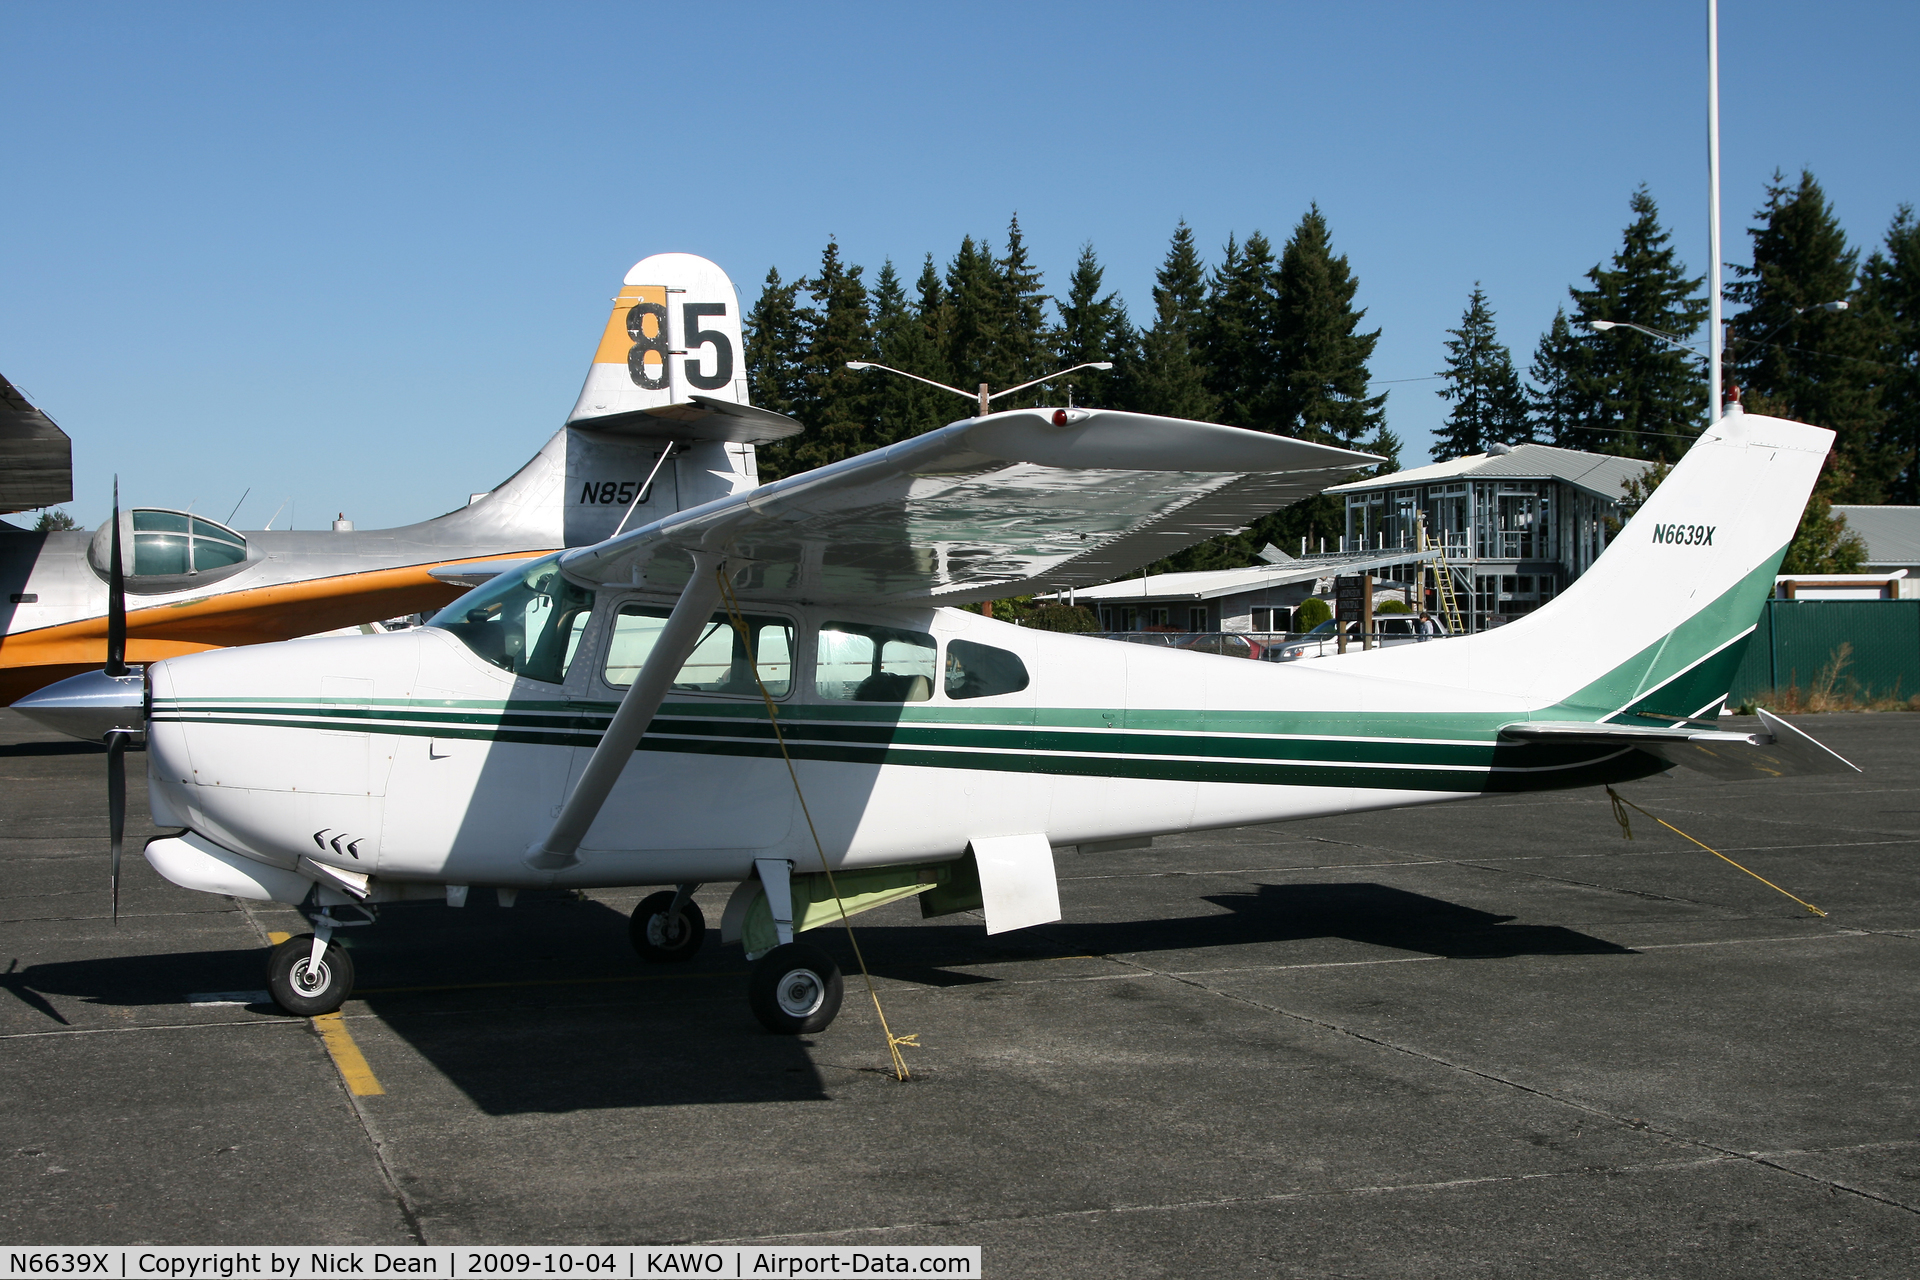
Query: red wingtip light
1059	417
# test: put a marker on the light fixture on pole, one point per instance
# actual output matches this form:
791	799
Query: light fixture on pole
983	398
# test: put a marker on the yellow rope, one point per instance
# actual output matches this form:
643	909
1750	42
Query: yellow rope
739	621
1620	815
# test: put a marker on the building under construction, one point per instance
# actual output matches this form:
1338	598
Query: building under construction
1514	528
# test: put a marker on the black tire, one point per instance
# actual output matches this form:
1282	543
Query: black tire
304	994
795	990
658	939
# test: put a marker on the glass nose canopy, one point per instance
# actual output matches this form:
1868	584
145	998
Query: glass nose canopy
157	543
169	542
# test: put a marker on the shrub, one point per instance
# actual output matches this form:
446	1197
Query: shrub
1312	612
1392	606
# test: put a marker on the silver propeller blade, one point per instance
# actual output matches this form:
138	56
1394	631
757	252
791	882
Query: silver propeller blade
116	807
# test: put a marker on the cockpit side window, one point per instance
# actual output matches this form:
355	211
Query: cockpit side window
720	662
529	621
861	663
982	671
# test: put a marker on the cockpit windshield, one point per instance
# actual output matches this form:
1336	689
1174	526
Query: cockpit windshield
528	621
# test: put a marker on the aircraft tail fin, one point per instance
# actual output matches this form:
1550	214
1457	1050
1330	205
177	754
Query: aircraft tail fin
662	424
1654	631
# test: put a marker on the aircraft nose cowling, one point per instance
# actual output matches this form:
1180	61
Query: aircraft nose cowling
90	705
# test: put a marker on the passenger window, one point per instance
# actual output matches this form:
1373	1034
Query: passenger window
719	663
981	671
860	663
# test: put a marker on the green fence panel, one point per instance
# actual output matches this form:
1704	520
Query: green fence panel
1863	648
1755	675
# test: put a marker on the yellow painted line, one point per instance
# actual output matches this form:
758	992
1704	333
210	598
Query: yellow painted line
361	1082
275	939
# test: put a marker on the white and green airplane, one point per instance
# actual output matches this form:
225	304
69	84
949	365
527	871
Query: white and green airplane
624	713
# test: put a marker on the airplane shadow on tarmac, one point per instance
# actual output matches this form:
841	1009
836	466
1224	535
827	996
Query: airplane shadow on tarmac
544	1008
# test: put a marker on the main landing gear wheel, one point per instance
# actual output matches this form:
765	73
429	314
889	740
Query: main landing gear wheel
303	989
656	937
795	989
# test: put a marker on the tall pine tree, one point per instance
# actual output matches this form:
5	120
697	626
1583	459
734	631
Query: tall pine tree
1093	327
1237	333
835	401
1559	409
1488	406
901	406
1020	353
1644	398
1793	357
1890	289
773	346
1318	345
974	315
1168	376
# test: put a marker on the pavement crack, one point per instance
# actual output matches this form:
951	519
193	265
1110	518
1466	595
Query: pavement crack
1228	1202
1548	1095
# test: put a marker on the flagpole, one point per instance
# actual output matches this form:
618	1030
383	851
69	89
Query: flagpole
1715	334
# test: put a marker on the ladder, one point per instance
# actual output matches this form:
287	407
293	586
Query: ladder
1442	581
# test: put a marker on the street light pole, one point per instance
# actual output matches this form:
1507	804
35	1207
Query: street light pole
984	398
1716	341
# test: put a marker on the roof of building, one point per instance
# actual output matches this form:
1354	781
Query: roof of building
1598	473
1209	584
1892	533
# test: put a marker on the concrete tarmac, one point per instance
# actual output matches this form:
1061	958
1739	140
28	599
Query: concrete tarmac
1490	1039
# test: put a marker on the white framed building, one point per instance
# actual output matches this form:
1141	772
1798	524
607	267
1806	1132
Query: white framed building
1516	526
1257	600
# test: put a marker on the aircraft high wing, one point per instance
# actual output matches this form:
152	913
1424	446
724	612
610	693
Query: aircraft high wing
1012	503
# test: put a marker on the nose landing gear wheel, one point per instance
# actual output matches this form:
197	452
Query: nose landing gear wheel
795	990
656	937
303	989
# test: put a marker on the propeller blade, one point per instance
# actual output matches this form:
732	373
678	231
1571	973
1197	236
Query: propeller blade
116	596
116	808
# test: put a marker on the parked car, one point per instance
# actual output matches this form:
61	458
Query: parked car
1228	644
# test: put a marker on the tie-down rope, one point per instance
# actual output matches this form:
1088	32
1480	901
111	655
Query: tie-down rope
1620	806
739	621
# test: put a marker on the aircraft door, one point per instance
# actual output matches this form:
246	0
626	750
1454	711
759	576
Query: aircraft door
707	774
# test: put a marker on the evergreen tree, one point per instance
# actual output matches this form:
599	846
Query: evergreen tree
1792	356
1559	409
834	401
1890	289
901	406
1092	328
974	315
1020	353
1325	360
1237	332
1488	406
773	345
1168	376
1643	397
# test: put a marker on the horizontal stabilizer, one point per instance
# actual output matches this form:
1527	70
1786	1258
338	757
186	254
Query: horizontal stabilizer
1016	502
1778	751
696	418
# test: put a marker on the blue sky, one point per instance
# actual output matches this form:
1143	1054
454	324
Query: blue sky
356	257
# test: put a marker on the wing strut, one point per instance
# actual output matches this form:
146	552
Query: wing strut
560	849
